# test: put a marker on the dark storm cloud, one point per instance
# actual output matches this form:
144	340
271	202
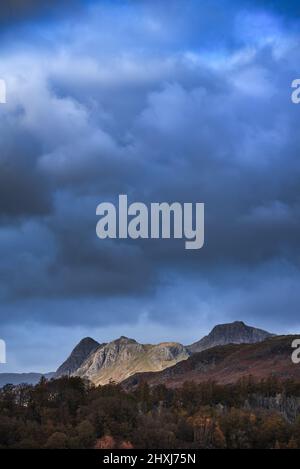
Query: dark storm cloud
12	11
23	188
155	112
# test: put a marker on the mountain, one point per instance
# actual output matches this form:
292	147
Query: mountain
228	363
124	357
233	333
21	378
219	356
121	358
78	355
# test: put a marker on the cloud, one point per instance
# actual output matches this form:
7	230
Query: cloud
164	113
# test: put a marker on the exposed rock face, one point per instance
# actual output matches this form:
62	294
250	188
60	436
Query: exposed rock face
123	357
79	354
227	364
233	333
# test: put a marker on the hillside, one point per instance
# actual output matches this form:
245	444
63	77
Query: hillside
227	364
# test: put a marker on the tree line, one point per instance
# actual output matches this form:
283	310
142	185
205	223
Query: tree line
71	413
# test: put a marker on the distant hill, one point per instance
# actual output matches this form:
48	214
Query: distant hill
123	357
21	378
228	363
233	333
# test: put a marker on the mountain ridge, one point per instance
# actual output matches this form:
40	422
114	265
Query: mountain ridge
236	332
123	357
226	364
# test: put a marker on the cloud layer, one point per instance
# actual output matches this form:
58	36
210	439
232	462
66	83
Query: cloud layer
187	103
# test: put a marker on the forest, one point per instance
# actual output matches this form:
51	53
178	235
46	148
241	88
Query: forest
71	413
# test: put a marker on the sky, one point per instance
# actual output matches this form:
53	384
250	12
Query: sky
184	100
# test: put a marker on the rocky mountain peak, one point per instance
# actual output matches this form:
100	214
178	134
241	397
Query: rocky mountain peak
78	355
236	332
124	356
86	342
124	340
